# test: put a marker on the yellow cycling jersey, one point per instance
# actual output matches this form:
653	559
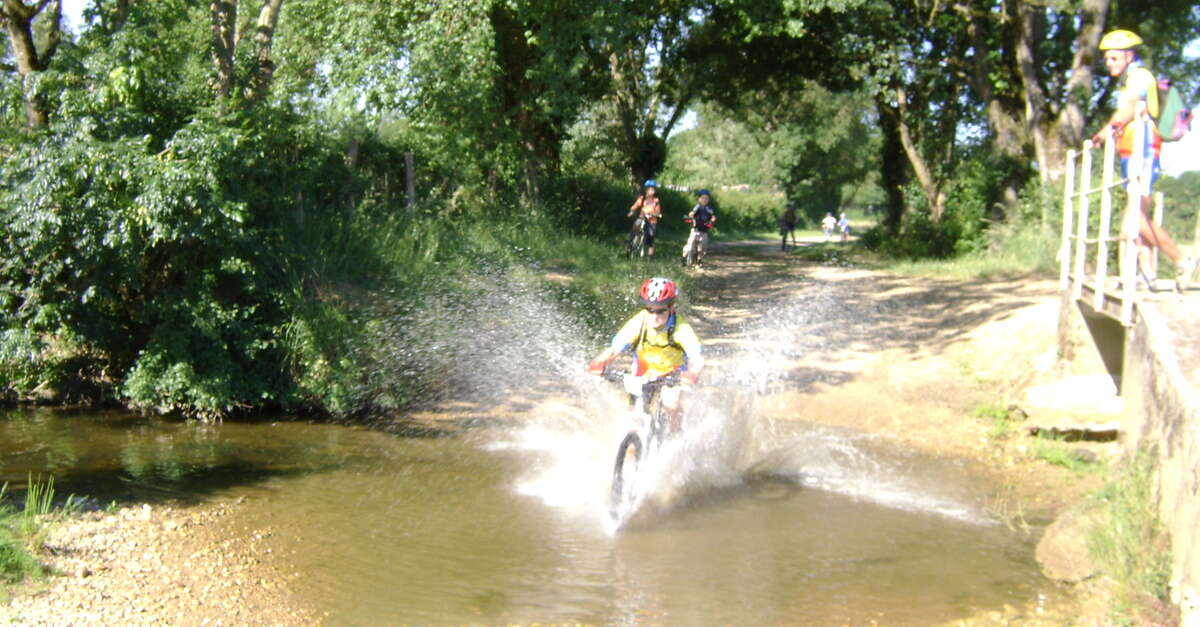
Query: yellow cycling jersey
657	351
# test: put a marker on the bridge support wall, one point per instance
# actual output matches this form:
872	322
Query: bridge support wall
1162	416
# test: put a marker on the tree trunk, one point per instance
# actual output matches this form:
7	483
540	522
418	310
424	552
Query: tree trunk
1007	116
540	132
224	40
933	192
1070	127
264	35
893	173
18	21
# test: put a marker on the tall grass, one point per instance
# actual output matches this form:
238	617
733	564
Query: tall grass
21	529
1129	543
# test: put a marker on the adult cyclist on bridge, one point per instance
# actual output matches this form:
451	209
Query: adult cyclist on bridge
661	342
1139	87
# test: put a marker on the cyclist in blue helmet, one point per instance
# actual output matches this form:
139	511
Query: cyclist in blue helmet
702	218
650	210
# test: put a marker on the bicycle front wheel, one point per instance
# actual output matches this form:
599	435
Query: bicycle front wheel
629	453
633	244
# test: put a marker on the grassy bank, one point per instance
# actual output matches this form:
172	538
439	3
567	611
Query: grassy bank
390	299
1131	546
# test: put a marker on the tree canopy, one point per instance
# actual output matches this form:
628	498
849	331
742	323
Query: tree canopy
174	172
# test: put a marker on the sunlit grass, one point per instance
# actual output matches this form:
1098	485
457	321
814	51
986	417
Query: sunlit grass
998	417
1026	251
1021	253
1056	450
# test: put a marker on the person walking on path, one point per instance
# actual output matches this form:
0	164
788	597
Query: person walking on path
827	225
1137	105
787	226
844	227
650	211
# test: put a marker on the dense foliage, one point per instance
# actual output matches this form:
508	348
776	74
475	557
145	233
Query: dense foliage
206	205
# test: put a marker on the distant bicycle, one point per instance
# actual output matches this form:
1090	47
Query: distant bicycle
693	256
635	244
643	438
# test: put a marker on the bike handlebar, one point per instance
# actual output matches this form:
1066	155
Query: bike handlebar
616	376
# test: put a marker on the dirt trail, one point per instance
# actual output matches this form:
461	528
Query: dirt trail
910	358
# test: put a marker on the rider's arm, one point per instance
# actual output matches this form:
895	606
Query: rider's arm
1136	89
691	347
637	204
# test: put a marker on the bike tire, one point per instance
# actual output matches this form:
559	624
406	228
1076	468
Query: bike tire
634	247
691	256
629	454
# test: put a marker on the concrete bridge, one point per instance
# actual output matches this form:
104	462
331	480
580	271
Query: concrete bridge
1148	337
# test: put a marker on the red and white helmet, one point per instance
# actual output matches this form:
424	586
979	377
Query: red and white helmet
658	291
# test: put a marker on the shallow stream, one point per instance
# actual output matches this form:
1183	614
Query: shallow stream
742	524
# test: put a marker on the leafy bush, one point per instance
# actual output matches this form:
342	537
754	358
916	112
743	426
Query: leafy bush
749	210
172	271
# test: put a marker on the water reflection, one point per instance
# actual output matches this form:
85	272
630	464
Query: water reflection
121	456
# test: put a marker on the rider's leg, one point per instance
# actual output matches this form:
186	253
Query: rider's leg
672	407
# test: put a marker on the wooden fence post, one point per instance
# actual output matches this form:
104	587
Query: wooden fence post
410	186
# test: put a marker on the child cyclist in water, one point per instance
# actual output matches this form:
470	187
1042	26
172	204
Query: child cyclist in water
650	210
661	342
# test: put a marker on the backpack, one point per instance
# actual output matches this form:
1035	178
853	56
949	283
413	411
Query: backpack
1174	115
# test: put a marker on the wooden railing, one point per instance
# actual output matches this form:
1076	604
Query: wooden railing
1077	236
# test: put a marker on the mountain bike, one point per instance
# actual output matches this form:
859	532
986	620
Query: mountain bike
635	244
645	437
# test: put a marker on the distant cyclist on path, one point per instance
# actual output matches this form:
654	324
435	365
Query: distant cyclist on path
650	209
702	217
827	225
661	342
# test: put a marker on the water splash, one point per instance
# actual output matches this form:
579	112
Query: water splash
512	340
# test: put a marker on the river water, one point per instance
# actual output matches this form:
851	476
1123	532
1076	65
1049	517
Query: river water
743	522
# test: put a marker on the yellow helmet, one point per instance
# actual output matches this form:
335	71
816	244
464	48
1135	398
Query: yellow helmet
1120	40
